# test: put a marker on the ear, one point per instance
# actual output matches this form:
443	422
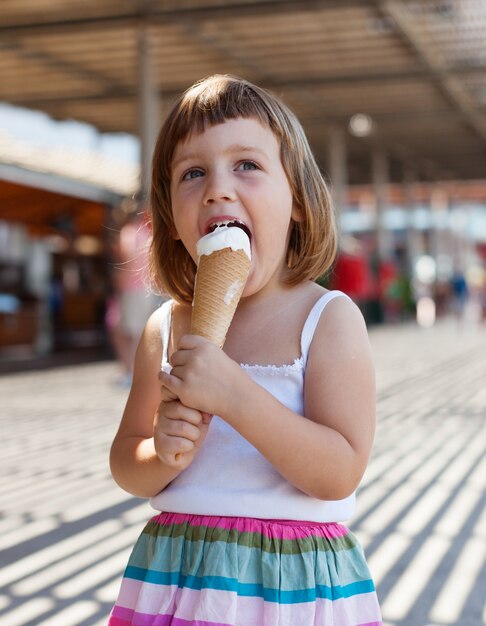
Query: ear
297	213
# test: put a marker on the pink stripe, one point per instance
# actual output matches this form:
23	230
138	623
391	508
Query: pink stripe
121	616
126	617
176	621
275	529
115	621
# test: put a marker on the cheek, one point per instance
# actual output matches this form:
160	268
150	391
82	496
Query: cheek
181	216
282	228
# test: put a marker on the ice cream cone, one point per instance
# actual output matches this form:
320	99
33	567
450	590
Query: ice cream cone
220	280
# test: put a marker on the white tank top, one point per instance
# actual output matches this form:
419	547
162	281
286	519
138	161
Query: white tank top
229	476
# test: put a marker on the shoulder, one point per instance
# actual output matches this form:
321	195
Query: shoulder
341	332
152	337
156	320
149	347
341	313
167	324
157	335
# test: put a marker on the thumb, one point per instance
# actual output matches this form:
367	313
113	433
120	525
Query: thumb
206	417
168	395
171	384
203	429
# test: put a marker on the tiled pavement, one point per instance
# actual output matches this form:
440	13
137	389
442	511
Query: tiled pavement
66	529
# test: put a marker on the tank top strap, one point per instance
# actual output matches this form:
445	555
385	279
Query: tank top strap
165	327
313	319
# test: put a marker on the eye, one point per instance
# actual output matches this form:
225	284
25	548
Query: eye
190	174
247	165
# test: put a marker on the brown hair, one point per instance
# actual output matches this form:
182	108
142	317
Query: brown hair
313	241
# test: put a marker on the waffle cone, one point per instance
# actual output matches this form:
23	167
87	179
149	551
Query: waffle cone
220	280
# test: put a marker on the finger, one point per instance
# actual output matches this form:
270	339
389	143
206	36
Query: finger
167	394
177	372
182	426
189	342
179	429
177	411
171	445
172	460
171	382
206	417
185	430
203	430
179	357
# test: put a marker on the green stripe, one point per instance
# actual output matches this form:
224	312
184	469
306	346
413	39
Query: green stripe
249	539
249	565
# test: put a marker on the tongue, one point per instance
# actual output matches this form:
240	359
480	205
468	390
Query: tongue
244	228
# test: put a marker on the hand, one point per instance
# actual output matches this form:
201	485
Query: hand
202	376
178	431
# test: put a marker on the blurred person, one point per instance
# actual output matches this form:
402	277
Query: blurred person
482	298
459	294
352	274
132	303
389	290
118	339
252	473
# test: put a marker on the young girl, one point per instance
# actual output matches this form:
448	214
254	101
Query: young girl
252	454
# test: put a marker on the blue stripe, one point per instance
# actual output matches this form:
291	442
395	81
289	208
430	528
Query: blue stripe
282	570
222	583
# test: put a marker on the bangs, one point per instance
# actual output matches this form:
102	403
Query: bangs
214	101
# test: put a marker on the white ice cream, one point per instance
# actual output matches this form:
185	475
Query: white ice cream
224	237
233	291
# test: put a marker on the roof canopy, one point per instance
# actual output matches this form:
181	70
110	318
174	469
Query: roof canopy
47	212
417	68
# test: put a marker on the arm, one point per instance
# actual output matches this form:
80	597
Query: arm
324	453
155	426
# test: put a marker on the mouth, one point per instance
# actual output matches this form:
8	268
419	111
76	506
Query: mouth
233	223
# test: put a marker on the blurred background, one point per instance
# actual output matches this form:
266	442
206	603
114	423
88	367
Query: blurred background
392	95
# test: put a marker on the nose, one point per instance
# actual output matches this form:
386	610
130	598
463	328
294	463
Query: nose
218	188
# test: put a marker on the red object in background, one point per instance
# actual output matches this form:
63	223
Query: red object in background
481	249
352	275
387	275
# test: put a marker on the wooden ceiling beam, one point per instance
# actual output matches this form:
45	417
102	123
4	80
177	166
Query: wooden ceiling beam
451	88
50	61
110	89
211	12
116	91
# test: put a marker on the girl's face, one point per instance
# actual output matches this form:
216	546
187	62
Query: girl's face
233	171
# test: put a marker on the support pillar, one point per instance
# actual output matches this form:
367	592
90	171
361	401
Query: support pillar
439	208
338	168
380	175
148	107
409	180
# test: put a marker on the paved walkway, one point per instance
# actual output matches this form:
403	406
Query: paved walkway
66	529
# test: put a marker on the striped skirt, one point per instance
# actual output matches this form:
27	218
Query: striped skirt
229	571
